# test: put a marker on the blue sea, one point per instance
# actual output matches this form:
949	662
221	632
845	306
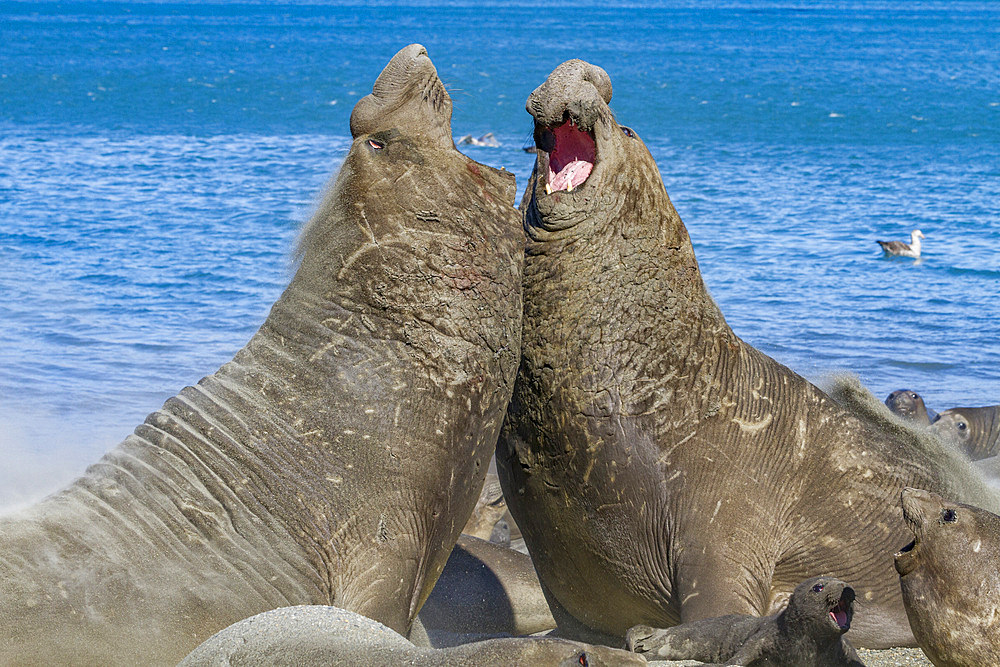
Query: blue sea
157	160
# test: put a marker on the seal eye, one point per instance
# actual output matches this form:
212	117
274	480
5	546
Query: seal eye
962	426
583	660
949	516
377	145
818	588
628	132
914	396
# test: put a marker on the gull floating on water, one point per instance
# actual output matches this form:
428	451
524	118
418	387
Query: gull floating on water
911	249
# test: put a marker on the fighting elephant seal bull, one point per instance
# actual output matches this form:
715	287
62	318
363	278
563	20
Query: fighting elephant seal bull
335	459
660	469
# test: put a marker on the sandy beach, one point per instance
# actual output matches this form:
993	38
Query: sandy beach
893	657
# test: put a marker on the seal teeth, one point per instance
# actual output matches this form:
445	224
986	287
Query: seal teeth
548	189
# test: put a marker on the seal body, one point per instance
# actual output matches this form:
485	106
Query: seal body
976	431
948	576
810	631
336	458
485	590
908	405
660	469
306	636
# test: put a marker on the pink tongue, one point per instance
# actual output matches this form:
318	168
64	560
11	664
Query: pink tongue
572	159
840	617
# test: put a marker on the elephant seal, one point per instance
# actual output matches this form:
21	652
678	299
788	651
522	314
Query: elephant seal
976	431
336	458
485	590
306	636
660	469
948	575
809	631
908	405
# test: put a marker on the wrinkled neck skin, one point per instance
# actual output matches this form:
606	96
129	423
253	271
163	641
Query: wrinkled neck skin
629	254
334	460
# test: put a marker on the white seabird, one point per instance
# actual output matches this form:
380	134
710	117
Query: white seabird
911	249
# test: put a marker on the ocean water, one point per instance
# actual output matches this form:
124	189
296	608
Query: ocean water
158	158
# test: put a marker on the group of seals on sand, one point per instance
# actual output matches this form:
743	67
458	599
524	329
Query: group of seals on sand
661	470
974	431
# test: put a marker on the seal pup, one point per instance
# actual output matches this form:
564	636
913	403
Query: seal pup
809	631
908	405
307	636
660	469
336	458
901	249
976	431
948	575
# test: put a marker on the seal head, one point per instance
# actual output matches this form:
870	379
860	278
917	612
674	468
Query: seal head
409	76
587	164
975	431
948	577
908	405
820	606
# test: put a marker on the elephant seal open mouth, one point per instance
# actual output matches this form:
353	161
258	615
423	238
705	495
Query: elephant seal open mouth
809	631
840	608
569	125
948	577
337	457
